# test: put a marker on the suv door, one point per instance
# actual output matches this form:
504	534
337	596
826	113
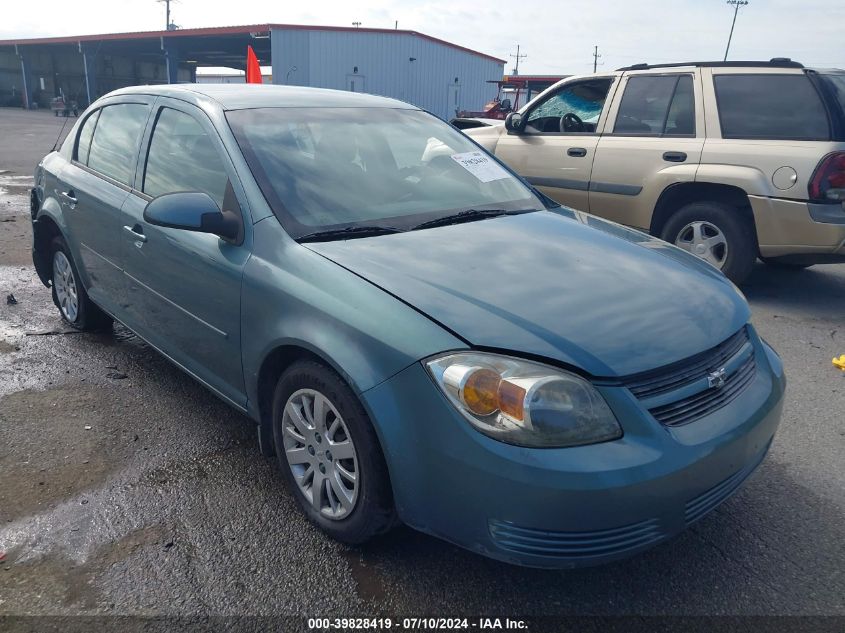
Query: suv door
92	188
555	150
183	288
656	140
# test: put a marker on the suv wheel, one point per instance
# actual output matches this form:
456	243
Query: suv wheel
716	233
330	455
69	294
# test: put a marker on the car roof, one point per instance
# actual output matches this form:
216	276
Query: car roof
242	96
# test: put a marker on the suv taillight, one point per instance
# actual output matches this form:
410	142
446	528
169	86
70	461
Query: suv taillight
828	182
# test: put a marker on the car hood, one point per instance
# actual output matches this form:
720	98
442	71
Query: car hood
558	284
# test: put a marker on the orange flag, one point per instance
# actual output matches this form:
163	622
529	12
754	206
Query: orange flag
253	70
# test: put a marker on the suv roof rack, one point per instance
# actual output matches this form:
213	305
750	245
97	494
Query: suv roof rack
774	62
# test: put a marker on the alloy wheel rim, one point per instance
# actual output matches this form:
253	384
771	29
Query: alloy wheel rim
704	240
65	285
320	453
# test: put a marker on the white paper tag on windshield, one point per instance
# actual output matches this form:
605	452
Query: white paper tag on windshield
480	166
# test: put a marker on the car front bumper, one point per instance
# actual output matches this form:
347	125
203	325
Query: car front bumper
568	507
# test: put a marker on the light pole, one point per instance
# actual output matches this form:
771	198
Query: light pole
737	4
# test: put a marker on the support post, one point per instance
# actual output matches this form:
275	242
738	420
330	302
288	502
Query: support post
89	61
171	59
26	73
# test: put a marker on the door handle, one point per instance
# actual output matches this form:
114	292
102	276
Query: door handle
69	197
577	152
674	157
136	233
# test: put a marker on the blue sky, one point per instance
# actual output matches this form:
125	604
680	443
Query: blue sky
558	36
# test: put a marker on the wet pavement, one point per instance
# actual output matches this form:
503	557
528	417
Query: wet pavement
126	488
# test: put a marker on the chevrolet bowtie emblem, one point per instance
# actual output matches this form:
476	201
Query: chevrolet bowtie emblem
716	379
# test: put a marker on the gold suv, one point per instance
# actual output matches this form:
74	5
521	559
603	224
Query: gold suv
728	160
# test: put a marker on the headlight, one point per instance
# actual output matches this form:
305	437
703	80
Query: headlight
524	403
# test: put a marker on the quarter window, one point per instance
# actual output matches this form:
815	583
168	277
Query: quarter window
85	136
182	157
574	108
116	139
662	105
767	106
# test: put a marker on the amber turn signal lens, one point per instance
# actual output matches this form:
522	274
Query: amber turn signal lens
512	400
480	392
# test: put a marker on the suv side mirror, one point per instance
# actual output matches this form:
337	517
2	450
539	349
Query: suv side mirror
193	211
515	122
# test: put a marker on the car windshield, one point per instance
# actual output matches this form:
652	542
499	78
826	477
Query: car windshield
323	169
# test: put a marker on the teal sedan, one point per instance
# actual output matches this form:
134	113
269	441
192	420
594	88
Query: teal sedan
418	335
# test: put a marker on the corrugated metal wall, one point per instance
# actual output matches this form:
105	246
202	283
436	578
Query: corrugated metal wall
381	63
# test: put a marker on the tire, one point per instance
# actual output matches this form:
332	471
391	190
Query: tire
69	295
784	265
716	221
304	444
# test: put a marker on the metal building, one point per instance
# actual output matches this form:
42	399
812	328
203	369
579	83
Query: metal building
431	73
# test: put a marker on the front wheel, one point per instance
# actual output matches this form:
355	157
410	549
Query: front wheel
716	233
330	455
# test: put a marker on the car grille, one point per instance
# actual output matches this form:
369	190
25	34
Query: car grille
652	387
680	374
575	545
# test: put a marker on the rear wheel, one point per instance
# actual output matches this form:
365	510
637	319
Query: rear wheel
330	455
716	233
69	295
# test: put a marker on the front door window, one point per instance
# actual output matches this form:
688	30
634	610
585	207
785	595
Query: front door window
575	108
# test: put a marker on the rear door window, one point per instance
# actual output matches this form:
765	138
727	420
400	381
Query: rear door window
117	136
658	105
767	106
182	157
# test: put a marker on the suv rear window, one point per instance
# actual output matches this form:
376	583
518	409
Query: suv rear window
768	106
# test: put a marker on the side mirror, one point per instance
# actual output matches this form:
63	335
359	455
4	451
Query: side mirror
193	211
515	123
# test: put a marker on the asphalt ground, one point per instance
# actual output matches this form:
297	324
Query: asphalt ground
126	488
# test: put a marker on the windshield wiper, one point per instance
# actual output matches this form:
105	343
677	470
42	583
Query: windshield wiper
469	215
349	232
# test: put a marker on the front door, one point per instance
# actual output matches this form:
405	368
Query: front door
656	141
183	288
555	151
93	188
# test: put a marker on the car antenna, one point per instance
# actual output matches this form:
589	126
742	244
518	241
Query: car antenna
56	144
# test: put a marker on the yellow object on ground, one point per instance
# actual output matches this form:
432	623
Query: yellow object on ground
840	362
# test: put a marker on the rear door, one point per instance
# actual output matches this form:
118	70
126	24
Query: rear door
183	288
92	190
555	151
654	138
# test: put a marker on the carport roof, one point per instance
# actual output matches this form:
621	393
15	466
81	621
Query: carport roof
249	31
